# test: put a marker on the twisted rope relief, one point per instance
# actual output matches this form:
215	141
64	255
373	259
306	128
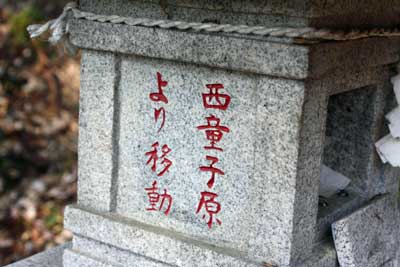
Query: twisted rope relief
59	28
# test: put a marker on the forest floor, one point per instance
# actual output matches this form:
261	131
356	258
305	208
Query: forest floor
39	93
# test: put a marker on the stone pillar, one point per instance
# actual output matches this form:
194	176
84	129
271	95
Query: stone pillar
162	110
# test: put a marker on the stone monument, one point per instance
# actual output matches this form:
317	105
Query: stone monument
201	143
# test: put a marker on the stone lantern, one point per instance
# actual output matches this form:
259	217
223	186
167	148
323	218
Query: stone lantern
204	126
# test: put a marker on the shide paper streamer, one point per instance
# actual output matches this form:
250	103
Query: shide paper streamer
389	146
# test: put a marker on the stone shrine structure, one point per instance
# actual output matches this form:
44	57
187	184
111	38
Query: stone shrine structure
204	147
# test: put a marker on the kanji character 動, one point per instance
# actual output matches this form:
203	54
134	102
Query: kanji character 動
155	197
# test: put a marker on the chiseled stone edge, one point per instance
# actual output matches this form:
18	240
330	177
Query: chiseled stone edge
72	258
348	239
113	255
49	258
236	52
120	234
97	132
250	54
148	241
324	255
320	13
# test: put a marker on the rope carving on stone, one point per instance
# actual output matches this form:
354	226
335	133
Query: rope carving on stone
59	28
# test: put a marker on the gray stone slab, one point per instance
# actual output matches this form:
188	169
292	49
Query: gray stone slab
193	11
73	258
215	50
249	54
343	13
324	255
259	118
149	241
96	120
232	12
369	236
49	258
337	207
351	56
113	255
353	126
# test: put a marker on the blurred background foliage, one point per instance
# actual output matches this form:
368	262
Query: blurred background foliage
39	92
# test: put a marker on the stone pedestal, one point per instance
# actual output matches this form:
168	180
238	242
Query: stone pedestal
163	111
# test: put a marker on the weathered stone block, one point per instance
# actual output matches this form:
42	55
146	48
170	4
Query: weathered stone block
369	236
96	121
321	13
282	97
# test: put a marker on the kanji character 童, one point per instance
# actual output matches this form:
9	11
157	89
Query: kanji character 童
211	206
155	197
214	99
159	96
212	169
214	132
153	158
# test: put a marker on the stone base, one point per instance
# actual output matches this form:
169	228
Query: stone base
49	258
324	256
119	242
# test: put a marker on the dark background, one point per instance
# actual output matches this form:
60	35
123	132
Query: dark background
39	92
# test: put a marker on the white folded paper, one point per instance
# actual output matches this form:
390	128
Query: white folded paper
389	150
388	147
331	182
396	86
394	120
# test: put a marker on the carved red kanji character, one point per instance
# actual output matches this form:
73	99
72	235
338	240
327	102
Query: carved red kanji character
211	206
157	113
155	197
159	96
214	132
153	158
214	99
212	169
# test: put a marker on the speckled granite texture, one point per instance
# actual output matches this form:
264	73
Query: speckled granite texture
292	107
369	236
50	258
318	13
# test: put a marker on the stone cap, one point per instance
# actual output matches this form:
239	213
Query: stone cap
315	13
268	56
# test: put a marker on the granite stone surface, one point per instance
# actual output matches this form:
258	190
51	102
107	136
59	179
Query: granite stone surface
321	13
336	207
249	200
355	121
144	248
192	11
215	50
96	120
256	118
73	258
352	130
244	53
324	255
113	255
369	236
49	258
150	242
291	108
